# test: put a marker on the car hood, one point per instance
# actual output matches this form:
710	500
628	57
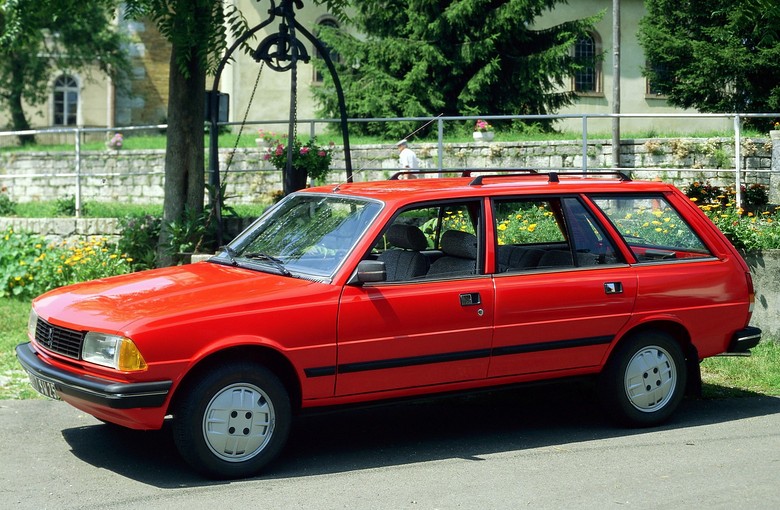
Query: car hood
202	289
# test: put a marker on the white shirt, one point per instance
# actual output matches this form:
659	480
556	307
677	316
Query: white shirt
408	159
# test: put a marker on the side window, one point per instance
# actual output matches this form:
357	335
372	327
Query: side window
652	228
551	233
433	241
530	234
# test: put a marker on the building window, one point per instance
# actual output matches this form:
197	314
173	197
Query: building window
588	80
662	75
334	56
66	101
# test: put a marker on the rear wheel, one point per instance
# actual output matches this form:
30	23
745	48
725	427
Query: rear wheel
232	422
644	380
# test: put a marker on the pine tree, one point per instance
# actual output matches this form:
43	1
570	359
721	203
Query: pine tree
457	57
716	56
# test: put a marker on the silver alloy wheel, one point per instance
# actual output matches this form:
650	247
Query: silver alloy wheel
650	379
238	422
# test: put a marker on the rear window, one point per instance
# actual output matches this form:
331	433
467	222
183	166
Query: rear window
652	228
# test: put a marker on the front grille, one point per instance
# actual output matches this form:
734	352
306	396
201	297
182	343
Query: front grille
60	340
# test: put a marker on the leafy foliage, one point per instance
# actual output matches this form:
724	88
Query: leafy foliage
751	228
721	58
29	265
457	57
139	239
309	156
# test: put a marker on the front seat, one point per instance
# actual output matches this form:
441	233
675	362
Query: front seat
405	261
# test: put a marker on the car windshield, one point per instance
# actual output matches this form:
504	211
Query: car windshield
305	233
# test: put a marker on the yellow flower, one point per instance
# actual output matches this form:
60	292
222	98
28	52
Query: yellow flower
532	227
502	227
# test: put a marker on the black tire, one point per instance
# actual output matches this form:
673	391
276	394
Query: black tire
233	421
644	379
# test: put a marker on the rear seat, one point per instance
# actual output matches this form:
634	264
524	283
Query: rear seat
514	258
518	258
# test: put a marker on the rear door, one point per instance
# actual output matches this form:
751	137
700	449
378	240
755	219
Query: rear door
559	308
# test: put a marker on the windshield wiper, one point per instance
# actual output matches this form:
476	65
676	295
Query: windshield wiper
277	263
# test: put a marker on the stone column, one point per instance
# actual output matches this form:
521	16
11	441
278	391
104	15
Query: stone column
774	172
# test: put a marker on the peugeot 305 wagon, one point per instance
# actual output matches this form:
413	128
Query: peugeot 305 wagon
357	292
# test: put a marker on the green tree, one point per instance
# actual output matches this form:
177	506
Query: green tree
39	37
456	57
197	31
717	56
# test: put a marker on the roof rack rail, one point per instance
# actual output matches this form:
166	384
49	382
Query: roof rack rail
551	176
396	176
512	172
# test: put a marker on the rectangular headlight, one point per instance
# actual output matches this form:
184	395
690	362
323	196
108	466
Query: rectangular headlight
112	351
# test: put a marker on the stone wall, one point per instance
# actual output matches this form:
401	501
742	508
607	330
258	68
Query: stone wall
137	176
764	267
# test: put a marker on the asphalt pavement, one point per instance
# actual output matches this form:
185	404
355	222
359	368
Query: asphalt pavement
529	448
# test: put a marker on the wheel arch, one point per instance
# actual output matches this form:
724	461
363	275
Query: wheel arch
269	358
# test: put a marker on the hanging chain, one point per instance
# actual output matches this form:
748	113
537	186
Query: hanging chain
243	121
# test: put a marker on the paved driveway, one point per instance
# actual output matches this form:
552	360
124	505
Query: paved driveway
531	448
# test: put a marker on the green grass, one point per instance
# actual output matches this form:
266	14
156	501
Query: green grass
727	376
722	376
13	330
139	141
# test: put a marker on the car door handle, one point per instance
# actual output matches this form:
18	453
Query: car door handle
613	288
470	299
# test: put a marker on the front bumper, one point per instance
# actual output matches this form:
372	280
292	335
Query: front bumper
744	340
52	381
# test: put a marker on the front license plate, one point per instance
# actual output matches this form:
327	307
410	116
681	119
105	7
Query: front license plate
45	388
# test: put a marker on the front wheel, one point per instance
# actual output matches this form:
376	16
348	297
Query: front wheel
644	380
232	422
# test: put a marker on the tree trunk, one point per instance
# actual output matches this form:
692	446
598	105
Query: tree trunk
184	156
19	121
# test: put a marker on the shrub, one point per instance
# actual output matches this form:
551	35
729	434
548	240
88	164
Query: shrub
7	206
140	234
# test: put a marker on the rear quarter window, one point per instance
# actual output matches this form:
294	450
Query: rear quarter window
652	228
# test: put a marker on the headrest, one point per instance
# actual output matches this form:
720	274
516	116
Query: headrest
459	244
407	237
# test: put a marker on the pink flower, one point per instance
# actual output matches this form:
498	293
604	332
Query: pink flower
304	150
321	153
279	150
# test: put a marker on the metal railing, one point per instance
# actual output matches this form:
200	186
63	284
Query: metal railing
315	126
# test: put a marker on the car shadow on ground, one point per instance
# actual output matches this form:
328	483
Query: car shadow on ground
454	427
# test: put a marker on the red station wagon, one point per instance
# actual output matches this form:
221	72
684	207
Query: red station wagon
357	292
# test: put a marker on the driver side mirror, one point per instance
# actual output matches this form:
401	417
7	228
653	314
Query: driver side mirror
369	271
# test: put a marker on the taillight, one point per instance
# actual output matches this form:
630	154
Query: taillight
751	292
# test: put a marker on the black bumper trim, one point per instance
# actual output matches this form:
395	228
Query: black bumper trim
94	389
745	339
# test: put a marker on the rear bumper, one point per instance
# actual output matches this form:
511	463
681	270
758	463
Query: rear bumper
745	339
102	392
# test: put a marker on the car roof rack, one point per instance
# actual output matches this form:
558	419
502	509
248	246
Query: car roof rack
551	176
396	176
